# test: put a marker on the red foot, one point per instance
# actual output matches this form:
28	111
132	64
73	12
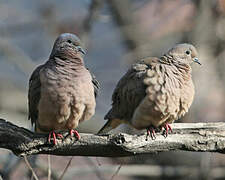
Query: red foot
53	134
167	128
74	132
151	132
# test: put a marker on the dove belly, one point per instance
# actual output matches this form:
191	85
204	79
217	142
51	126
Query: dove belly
145	115
63	107
153	113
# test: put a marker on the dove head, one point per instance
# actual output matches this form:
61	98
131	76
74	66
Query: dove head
67	45
184	54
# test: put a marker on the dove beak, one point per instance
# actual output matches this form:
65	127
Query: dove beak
197	61
80	49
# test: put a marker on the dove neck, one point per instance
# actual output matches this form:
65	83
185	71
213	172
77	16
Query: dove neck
184	69
67	56
166	59
70	62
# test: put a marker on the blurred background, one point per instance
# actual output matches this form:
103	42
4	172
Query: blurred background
115	33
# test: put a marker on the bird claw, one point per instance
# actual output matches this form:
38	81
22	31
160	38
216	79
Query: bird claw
54	134
167	128
151	132
74	132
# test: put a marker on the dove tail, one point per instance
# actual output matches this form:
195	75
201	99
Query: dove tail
109	125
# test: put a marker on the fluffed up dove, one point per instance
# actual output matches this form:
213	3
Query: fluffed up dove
62	91
154	92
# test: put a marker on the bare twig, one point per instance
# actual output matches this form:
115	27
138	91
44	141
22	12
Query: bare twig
42	167
33	163
66	168
205	137
49	167
95	168
117	171
31	169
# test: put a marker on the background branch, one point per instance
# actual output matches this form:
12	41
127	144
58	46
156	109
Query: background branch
94	11
133	37
207	137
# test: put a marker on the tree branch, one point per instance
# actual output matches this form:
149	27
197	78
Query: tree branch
207	137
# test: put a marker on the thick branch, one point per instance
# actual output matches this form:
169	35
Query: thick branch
208	137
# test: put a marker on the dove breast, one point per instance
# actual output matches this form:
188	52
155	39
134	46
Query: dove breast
67	97
168	96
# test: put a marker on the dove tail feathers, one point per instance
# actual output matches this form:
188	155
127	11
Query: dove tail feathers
109	125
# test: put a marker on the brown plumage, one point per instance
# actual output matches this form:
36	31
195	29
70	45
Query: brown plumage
154	91
62	91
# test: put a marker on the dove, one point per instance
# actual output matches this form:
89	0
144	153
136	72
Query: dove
62	91
154	92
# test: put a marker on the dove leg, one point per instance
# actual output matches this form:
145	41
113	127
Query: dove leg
74	132
167	128
151	132
75	118
54	135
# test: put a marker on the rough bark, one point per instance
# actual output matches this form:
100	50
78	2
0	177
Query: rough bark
206	137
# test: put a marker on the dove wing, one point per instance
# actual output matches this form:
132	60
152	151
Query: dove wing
129	92
34	94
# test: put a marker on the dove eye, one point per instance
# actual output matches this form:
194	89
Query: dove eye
69	41
188	52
